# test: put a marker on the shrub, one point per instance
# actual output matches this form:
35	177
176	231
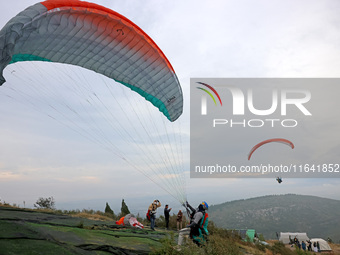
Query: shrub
45	203
279	248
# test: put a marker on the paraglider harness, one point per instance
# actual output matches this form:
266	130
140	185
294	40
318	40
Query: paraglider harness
148	216
194	231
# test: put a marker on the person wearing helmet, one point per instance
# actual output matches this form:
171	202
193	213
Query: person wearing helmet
199	223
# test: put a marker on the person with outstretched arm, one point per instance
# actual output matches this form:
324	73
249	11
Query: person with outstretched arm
198	227
167	215
152	211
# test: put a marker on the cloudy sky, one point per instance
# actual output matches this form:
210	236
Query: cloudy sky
41	157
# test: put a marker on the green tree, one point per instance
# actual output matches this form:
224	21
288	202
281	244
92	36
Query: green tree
108	210
124	210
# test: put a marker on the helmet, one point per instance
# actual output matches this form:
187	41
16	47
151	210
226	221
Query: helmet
205	205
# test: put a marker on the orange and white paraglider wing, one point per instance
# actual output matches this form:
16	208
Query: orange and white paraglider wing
278	140
96	38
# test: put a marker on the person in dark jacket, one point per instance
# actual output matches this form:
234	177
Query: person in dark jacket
179	220
167	215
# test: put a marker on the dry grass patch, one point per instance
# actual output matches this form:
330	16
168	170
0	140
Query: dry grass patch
92	216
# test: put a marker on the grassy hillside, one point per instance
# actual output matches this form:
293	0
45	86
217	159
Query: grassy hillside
24	231
33	232
319	217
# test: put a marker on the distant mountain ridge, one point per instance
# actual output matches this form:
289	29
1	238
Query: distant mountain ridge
317	216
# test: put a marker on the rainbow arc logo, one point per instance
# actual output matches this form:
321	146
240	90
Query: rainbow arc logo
204	98
209	93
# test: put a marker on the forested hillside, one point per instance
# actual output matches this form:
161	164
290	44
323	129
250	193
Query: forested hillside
319	217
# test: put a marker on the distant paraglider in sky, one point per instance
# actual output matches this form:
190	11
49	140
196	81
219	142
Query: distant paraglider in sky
279	179
86	35
278	140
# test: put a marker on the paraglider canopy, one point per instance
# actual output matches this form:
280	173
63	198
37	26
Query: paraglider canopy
99	39
89	36
278	140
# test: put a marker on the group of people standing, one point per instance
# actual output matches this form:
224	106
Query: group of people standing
308	245
197	230
313	247
167	217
